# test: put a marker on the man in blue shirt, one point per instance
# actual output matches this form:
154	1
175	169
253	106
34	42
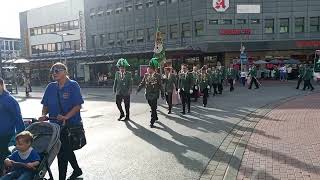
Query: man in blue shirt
10	119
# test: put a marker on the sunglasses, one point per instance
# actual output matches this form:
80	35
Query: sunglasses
56	70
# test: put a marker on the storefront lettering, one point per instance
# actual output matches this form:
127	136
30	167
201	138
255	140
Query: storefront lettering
307	44
235	31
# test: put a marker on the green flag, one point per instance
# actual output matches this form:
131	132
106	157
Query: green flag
159	50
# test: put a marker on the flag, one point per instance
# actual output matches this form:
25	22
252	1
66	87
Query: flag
159	50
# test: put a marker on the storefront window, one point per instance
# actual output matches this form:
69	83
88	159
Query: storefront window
314	24
174	31
284	25
186	30
299	25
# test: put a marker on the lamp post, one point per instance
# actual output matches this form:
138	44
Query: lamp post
63	44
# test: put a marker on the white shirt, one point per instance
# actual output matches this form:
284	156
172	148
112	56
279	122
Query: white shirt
243	74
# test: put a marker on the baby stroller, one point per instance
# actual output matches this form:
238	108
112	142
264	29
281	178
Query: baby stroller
47	144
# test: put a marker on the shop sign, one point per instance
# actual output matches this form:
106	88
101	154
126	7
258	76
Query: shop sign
220	5
235	31
302	44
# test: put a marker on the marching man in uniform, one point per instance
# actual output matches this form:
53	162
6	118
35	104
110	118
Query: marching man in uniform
170	82
185	87
204	82
153	86
122	88
195	89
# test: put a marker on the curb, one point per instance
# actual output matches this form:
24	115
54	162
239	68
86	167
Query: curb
226	160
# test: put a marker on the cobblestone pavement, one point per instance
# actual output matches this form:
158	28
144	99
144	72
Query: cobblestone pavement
290	146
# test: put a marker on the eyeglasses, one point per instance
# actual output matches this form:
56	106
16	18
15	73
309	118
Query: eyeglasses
56	70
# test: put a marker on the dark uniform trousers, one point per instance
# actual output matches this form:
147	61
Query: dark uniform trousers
205	96
230	81
307	84
126	100
185	99
153	104
4	152
195	93
215	90
253	80
169	100
299	81
66	155
220	87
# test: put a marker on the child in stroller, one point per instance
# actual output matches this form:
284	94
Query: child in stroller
24	160
46	142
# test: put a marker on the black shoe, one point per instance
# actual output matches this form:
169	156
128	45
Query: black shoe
127	118
152	126
169	112
249	88
204	105
189	111
75	174
256	88
183	112
121	116
312	89
157	119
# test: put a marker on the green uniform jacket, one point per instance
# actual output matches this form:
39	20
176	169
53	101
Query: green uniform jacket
122	85
308	74
195	76
153	86
186	81
219	74
204	81
232	74
253	72
170	83
301	72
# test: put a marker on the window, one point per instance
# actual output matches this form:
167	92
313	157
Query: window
128	5
150	34
52	28
140	33
111	36
186	30
100	11
227	21
199	28
130	35
76	24
161	2
269	26
139	4
149	4
109	10
58	28
299	24
31	31
77	45
163	30
92	12
45	29
119	8
120	35
241	21
64	26
67	45
314	24
173	1
94	40
174	31
255	21
102	39
284	25
213	21
58	45
44	48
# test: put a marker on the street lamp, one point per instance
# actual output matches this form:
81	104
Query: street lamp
63	45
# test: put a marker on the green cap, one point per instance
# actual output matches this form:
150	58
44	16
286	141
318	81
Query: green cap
154	63
123	63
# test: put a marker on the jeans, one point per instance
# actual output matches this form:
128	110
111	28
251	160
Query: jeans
18	175
126	100
66	155
243	81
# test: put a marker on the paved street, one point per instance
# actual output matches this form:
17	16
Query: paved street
181	147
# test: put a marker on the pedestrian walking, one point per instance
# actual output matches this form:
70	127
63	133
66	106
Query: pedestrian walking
308	75
195	87
253	76
220	77
231	75
11	121
302	70
122	87
185	87
243	76
62	101
153	87
170	84
204	83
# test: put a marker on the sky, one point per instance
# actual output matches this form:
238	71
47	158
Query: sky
9	14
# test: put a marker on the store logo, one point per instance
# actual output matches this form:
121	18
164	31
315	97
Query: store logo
221	5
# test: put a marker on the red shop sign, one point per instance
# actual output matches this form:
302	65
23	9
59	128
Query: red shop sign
235	31
308	43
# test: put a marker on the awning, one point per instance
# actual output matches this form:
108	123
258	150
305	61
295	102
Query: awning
97	62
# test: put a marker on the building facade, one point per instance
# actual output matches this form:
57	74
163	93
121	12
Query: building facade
54	33
204	31
10	48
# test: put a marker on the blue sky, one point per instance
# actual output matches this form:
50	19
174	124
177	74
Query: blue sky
9	14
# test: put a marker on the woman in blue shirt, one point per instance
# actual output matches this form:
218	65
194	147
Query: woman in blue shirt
10	121
68	91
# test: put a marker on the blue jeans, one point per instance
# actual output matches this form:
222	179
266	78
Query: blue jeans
18	175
